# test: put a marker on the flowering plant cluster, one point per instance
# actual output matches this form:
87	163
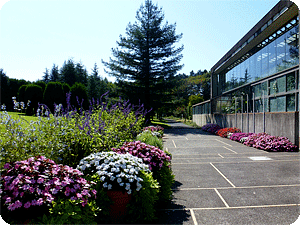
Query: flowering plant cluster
38	181
151	155
270	143
224	132
211	128
116	171
157	128
20	106
238	136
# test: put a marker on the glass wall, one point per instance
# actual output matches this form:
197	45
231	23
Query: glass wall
278	54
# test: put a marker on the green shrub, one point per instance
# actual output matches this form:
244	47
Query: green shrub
150	139
54	94
67	211
21	93
79	96
33	93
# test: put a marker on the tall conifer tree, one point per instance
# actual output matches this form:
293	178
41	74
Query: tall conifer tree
146	59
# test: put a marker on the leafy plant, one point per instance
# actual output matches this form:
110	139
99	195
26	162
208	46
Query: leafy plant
124	172
150	138
159	163
38	181
67	211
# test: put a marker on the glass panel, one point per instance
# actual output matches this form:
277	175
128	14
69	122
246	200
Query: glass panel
265	62
281	83
252	68
281	104
258	65
273	104
290	102
292	47
280	51
272	57
273	87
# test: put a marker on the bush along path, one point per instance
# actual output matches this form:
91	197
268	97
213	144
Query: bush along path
71	165
261	141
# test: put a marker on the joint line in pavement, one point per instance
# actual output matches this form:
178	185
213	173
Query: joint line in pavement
230	150
193	217
174	143
222	175
223	200
223	142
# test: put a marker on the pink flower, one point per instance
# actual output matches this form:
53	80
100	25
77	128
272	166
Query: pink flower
27	205
40	180
39	201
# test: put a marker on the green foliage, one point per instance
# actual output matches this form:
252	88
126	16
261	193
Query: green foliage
21	93
79	96
150	139
34	93
166	179
194	99
54	94
42	84
142	206
66	211
147	57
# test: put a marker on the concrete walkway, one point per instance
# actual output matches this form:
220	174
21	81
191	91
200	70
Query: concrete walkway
219	181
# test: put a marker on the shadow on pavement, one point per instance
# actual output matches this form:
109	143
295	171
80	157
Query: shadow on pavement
173	213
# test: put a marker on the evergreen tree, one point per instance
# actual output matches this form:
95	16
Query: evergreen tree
68	72
147	60
54	74
93	84
46	76
81	74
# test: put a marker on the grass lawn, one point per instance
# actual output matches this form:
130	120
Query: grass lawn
161	123
17	115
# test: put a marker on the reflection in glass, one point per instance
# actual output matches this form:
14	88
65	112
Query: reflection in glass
290	103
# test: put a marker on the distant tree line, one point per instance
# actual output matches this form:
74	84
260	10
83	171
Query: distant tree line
71	77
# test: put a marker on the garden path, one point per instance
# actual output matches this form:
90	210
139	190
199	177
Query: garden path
219	181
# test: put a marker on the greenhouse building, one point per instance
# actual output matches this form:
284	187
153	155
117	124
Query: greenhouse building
255	85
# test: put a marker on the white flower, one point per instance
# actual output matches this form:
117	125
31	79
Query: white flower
109	187
119	180
112	178
105	185
129	192
102	178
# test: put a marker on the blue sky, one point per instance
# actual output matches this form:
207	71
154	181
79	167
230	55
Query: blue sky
35	34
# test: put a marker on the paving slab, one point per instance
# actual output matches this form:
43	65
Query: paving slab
209	149
261	196
220	181
204	198
284	215
258	173
175	217
198	176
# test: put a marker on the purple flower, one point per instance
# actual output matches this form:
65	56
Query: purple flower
40	180
27	205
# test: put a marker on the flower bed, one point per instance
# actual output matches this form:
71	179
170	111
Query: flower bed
270	143
225	131
211	128
37	182
260	141
127	173
159	163
238	136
